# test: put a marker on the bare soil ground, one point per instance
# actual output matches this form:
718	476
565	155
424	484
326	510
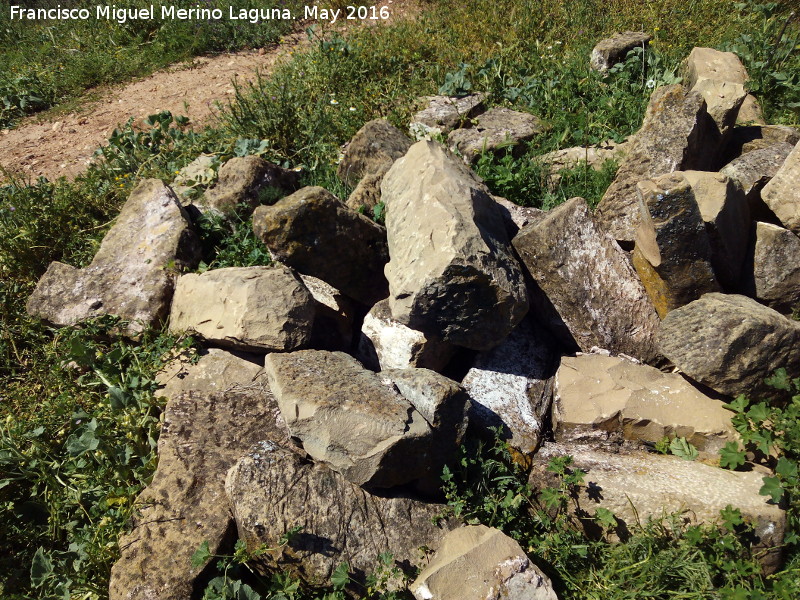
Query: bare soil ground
55	145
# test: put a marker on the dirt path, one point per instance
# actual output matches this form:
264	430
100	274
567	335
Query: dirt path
64	145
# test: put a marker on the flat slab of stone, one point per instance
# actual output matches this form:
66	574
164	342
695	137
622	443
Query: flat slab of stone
637	486
677	135
444	113
721	78
202	437
316	234
601	397
386	343
780	194
133	273
246	308
496	129
481	562
373	148
776	267
511	386
610	51
217	371
355	421
272	490
589	280
452	271
731	343
673	251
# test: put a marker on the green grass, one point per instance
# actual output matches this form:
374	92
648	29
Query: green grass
530	56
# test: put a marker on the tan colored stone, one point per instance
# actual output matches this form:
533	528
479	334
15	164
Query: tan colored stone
750	112
589	281
373	148
367	194
497	129
776	267
570	158
444	113
247	308
673	253
781	193
612	50
599	396
133	273
334	316
753	170
482	563
677	134
217	371
637	486
452	271
721	78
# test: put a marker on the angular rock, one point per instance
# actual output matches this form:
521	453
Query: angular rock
313	232
516	217
602	397
368	191
721	78
373	148
246	308
354	420
217	371
481	562
776	267
750	112
498	128
452	271
272	490
780	194
334	316
673	253
570	158
242	182
757	137
637	486
386	343
202	437
589	280
610	51
724	210
444	113
753	170
511	386
677	135
730	343
133	273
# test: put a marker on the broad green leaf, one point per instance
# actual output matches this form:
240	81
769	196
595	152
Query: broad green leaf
683	449
605	518
87	440
201	555
772	488
341	576
731	517
786	468
41	568
730	456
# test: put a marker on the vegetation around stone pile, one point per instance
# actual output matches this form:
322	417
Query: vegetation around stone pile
79	420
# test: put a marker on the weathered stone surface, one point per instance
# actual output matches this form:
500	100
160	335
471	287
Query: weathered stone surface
570	158
313	232
515	216
481	562
611	397
589	280
612	50
750	112
374	147
721	78
673	253
202	437
730	343
386	343
781	195
241	182
511	386
756	137
637	486
753	170
354	420
368	191
444	113
775	277
677	134
272	489
334	316
495	129
452	271
724	210
133	273
217	371
247	308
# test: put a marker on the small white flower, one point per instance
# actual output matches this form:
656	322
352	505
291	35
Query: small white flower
334	101
651	83
352	109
